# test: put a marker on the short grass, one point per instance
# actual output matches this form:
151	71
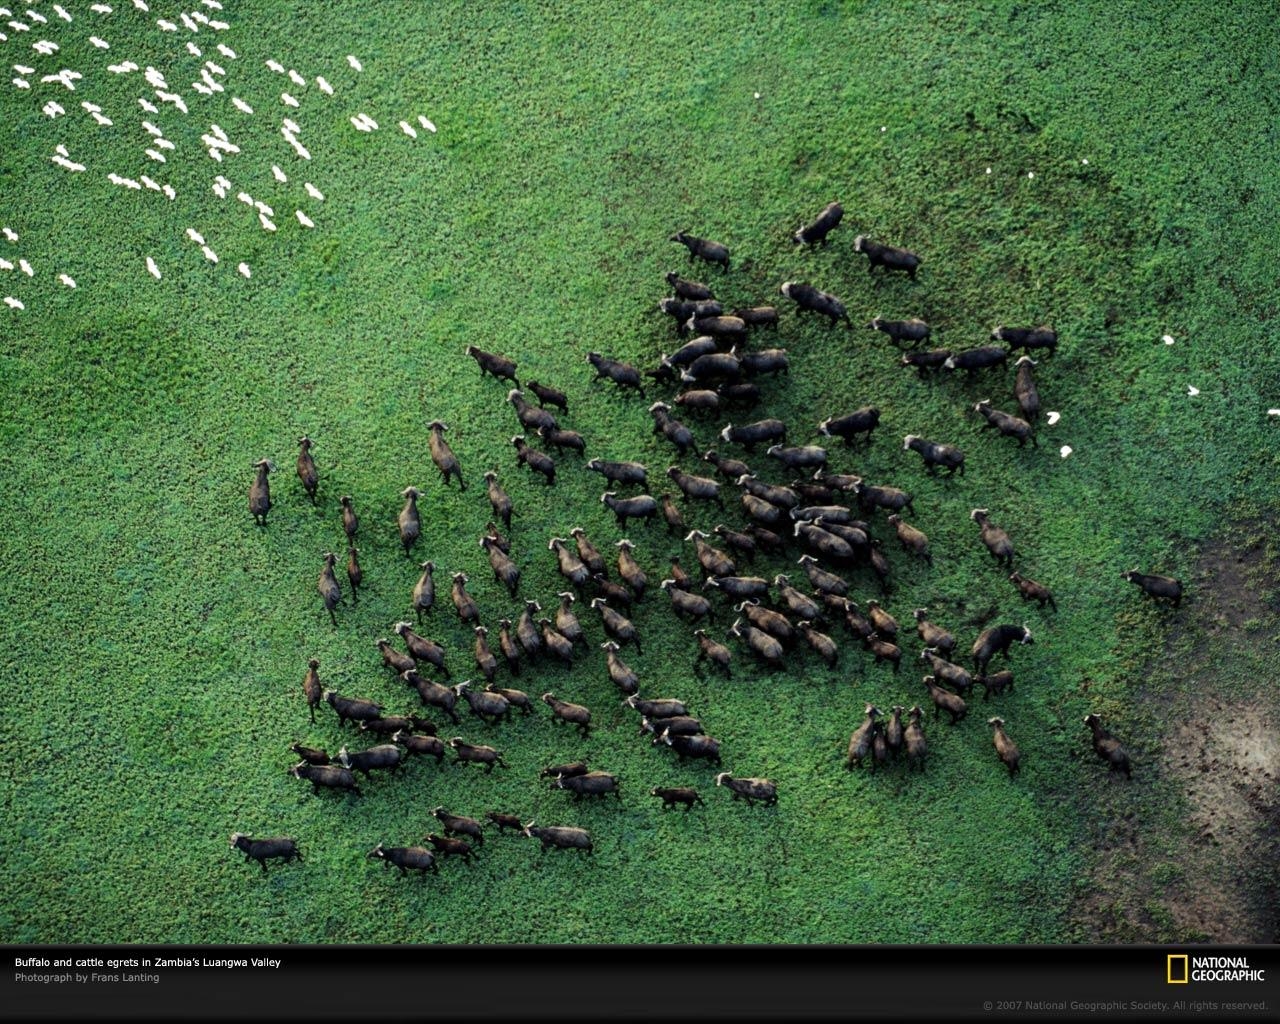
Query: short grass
154	640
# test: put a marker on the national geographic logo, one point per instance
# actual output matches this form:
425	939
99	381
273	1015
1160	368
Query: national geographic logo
1183	968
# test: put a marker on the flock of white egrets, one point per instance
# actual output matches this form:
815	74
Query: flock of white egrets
208	91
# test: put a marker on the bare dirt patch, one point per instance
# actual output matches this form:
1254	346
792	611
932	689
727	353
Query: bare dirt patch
1229	768
1193	856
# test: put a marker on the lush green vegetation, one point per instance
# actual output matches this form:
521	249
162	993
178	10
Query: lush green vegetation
154	640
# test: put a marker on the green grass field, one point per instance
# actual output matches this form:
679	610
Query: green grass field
1109	168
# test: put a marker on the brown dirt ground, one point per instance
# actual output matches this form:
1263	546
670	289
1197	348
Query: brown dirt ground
1193	855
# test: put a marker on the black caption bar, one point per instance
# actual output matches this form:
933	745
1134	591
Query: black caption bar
1010	983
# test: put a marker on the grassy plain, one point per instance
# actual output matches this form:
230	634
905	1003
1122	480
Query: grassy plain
154	640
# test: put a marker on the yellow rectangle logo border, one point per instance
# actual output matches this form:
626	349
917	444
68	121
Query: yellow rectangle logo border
1186	973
